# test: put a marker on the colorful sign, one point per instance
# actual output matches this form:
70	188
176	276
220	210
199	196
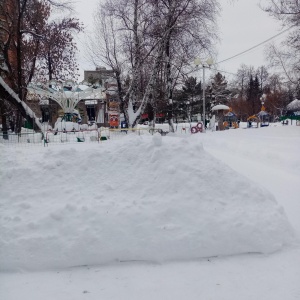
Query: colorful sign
114	120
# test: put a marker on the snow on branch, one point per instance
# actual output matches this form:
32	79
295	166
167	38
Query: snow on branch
27	109
37	36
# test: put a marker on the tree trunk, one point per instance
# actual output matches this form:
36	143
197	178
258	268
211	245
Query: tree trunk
4	120
169	85
120	91
49	65
151	84
21	10
133	95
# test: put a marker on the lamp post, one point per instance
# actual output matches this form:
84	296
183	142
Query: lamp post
263	99
208	62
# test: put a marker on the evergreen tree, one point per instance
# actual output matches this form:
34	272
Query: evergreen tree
219	91
253	95
192	89
191	97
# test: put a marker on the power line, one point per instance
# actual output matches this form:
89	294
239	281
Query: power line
209	68
269	39
222	71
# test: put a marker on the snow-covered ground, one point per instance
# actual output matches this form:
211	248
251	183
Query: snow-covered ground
208	216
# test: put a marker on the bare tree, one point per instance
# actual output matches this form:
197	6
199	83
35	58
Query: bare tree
287	56
23	34
263	75
286	12
56	56
242	79
158	39
120	42
285	60
21	23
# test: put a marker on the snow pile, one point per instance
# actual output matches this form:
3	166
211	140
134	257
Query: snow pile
139	198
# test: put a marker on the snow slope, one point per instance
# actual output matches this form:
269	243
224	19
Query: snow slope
142	198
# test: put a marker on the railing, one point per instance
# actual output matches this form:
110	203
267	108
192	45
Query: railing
23	139
117	133
49	137
55	137
72	136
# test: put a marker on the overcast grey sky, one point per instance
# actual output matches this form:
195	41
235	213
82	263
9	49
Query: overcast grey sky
242	25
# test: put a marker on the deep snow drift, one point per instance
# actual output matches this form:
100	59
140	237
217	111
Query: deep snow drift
140	198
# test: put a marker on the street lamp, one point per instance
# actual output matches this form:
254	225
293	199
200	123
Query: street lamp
206	64
263	99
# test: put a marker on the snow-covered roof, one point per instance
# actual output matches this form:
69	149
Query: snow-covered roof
220	107
294	105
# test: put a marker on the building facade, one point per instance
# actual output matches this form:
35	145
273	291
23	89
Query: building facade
98	76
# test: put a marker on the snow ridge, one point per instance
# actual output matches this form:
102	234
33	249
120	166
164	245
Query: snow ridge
141	198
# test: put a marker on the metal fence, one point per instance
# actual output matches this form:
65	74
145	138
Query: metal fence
74	136
113	134
29	139
23	139
51	137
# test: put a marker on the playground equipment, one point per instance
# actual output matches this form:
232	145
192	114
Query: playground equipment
197	128
262	118
253	119
230	120
220	109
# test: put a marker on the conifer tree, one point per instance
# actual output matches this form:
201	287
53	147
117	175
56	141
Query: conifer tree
219	91
191	97
253	95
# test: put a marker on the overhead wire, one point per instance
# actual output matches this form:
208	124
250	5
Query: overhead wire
247	50
253	47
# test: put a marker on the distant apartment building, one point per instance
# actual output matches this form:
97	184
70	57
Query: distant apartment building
98	76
